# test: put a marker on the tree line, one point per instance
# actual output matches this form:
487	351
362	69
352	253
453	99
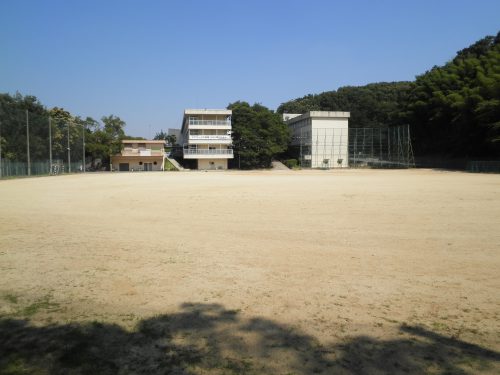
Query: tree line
102	139
453	110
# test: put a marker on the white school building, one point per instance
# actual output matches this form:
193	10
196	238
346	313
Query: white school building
206	137
321	138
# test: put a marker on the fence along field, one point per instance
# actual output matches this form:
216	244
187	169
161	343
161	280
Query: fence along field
34	143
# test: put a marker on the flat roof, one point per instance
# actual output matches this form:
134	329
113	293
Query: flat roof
141	141
318	114
207	112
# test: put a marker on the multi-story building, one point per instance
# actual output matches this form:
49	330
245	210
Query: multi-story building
206	137
320	138
139	155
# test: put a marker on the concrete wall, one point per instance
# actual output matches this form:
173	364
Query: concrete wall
133	162
324	138
329	144
207	164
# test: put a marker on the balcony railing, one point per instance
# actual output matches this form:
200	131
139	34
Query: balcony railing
216	137
210	122
228	151
141	152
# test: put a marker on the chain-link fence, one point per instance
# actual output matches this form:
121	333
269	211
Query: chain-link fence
356	148
485	166
381	148
34	143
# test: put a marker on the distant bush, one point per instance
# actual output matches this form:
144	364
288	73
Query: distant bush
291	163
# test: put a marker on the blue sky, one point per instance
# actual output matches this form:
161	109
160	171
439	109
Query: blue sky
146	61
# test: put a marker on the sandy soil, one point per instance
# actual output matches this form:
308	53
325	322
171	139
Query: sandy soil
352	271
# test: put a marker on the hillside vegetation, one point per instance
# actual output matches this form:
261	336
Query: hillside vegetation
453	109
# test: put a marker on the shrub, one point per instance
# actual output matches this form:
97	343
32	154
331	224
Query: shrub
291	163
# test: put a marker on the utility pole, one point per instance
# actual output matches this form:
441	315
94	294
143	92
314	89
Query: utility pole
83	140
50	145
69	153
28	143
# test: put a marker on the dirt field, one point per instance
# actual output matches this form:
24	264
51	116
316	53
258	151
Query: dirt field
352	271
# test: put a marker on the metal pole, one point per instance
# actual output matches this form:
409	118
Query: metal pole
28	143
50	145
301	137
83	137
380	153
69	153
0	149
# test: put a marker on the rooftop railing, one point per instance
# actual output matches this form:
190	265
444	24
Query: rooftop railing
210	122
210	136
141	152
228	151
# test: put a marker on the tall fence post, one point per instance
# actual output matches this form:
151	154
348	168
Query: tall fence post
50	145
83	141
69	153
28	143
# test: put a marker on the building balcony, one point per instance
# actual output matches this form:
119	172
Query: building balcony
209	122
210	138
144	152
226	153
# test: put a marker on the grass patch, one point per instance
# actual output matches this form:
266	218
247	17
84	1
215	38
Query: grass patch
168	166
43	303
11	298
237	366
14	365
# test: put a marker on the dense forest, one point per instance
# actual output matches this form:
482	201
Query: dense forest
374	105
453	110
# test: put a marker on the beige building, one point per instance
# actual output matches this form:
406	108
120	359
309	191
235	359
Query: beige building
206	137
321	138
139	155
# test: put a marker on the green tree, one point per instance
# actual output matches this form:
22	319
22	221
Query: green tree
454	110
160	136
114	133
373	105
259	135
171	139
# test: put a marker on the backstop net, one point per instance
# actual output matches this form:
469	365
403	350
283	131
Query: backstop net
356	148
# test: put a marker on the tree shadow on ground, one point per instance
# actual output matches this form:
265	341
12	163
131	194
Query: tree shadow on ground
209	339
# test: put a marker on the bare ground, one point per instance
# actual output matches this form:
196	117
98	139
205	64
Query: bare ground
286	272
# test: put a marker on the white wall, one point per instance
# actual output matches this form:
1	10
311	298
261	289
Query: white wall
217	164
133	163
329	142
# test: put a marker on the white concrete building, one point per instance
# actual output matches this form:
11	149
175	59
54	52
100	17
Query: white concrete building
206	137
139	155
321	138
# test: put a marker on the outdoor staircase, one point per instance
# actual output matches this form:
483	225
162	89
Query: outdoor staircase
175	163
279	166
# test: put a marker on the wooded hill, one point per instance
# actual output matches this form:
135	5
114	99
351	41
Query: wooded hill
453	110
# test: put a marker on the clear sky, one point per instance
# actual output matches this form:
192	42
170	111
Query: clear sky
146	61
